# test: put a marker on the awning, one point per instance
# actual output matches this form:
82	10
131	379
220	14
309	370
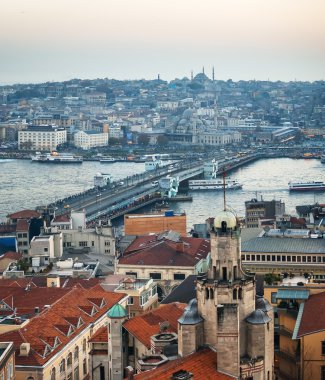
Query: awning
285	294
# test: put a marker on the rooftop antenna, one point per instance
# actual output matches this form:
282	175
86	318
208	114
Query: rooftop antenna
224	189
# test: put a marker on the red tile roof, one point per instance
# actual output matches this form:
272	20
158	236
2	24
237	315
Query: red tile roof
313	315
25	214
202	364
11	255
150	250
41	332
145	325
100	336
25	301
65	218
22	225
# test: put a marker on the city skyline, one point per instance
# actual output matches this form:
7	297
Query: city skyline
262	40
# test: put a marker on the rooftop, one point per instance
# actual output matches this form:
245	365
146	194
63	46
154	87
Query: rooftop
311	321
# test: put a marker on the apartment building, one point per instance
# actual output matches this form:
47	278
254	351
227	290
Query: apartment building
90	139
41	137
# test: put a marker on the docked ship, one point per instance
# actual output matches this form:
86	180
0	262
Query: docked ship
57	158
213	184
107	159
307	186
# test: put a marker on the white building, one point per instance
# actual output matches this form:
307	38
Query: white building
219	138
41	137
90	139
115	132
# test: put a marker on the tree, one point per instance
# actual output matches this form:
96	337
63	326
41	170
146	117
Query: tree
143	139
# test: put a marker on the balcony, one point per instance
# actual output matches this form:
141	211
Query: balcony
290	356
285	331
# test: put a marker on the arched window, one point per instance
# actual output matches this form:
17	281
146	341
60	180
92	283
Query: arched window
224	226
240	293
30	378
206	293
211	294
84	345
234	294
53	374
69	360
76	353
62	366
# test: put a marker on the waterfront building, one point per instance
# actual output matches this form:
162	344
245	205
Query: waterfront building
90	139
256	210
141	224
295	251
167	258
41	137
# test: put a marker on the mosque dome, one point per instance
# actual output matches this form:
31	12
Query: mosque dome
225	219
187	114
258	317
263	304
191	314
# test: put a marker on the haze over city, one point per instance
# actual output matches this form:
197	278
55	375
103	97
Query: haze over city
59	40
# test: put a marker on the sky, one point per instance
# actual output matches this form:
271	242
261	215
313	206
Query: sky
56	40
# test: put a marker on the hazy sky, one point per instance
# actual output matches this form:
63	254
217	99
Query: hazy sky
46	40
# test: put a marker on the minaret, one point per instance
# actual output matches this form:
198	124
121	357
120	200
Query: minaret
213	73
203	70
117	315
191	74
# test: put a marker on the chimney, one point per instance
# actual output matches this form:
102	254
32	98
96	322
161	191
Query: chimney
129	373
24	349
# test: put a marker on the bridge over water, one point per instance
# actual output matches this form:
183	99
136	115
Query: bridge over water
139	190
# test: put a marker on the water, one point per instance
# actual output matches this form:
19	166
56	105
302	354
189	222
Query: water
24	184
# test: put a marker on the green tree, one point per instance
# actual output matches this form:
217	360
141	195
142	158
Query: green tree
143	139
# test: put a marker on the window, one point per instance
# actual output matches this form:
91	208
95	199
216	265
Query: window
155	276
93	244
130	301
323	347
322	372
69	360
53	373
76	353
133	274
273	297
62	366
83	243
268	258
179	276
84	345
84	366
46	249
288	258
107	243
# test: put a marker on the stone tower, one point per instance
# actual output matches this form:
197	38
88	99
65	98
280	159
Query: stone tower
117	315
190	330
226	295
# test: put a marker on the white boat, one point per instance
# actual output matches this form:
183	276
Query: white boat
107	159
152	164
102	179
307	186
213	184
57	158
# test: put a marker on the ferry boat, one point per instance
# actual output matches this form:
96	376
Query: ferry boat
307	186
57	158
105	159
102	179
213	184
152	164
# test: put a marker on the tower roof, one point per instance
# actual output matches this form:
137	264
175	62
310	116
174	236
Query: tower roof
263	304
258	317
191	314
117	311
225	216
